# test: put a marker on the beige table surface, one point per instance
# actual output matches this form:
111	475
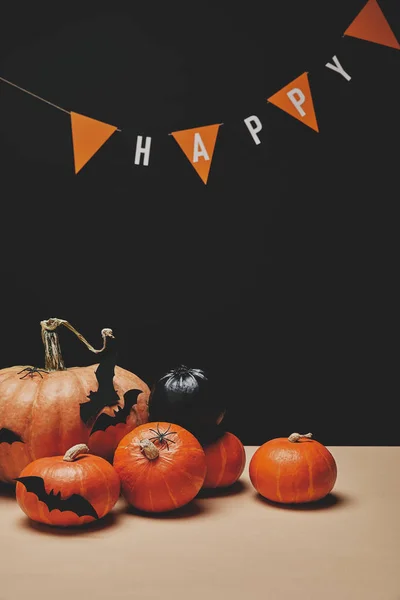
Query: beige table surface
232	546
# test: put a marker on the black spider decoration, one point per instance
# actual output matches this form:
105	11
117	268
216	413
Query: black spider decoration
162	436
31	372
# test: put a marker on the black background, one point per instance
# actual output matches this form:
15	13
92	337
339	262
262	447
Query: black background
279	275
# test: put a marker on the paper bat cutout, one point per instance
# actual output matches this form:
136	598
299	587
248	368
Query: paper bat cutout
75	503
105	394
9	437
120	416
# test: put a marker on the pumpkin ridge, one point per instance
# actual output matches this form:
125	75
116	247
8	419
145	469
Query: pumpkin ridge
4	468
147	474
30	427
296	492
59	428
79	471
10	375
326	461
278	478
96	468
169	491
188	476
310	490
223	464
150	498
7	378
125	468
167	458
109	504
256	475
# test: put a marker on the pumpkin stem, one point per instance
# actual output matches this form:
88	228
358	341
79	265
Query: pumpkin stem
295	437
52	349
150	450
73	452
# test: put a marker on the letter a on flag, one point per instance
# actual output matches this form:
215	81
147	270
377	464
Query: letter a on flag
295	99
198	145
371	25
88	135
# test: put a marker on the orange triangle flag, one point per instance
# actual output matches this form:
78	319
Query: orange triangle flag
295	99
198	145
371	25
88	135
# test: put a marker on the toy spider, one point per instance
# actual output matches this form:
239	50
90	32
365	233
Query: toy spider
161	436
31	372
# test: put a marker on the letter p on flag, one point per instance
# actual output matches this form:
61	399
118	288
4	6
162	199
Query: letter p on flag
295	99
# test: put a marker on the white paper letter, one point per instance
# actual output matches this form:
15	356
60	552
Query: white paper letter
297	102
199	149
142	150
338	68
254	125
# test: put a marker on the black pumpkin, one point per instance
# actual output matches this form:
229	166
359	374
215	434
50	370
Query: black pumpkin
186	397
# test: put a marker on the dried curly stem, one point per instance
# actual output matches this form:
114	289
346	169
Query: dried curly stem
150	450
295	437
53	357
73	452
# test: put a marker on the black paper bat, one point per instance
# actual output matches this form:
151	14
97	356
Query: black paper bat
75	503
105	394
120	416
9	437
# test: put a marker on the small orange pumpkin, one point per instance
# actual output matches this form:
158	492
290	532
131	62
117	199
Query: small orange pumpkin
43	412
293	470
161	466
69	490
226	459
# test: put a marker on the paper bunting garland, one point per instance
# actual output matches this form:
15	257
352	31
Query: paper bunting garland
198	144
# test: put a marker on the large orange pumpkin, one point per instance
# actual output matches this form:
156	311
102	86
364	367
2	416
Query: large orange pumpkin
68	490
43	412
293	470
225	460
162	466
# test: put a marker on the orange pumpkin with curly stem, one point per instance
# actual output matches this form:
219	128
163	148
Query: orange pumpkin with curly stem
225	460
43	412
69	490
293	470
162	466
